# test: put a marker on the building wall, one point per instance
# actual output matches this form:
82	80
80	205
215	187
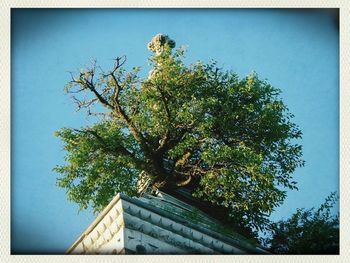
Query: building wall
151	225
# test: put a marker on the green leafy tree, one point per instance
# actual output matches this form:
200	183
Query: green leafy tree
232	139
307	231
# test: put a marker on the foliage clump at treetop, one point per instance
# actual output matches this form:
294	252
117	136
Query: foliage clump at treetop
233	139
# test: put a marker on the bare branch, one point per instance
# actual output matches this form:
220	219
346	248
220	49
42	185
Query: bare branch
103	101
119	62
86	82
83	104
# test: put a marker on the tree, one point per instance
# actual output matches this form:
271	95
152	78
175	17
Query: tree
232	139
307	231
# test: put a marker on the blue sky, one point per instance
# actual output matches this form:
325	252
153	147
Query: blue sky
295	50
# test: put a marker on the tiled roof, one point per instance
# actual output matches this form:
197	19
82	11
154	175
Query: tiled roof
158	224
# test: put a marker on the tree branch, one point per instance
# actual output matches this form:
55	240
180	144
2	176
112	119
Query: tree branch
119	149
103	101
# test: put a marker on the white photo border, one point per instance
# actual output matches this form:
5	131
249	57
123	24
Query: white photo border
5	125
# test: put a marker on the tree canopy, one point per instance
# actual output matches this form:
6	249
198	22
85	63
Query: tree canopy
233	139
307	231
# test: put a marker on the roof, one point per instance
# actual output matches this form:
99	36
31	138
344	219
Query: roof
188	230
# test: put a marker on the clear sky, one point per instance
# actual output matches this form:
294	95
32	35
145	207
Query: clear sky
295	50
